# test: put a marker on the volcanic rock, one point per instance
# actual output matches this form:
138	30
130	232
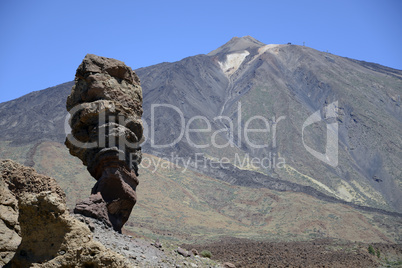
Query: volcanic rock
228	265
17	180
194	251
9	228
105	105
183	252
37	229
94	207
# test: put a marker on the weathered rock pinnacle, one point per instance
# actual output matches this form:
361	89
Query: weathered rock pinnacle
105	105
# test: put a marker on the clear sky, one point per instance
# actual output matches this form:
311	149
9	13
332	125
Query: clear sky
43	42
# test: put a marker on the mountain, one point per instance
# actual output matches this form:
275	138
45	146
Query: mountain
245	84
281	86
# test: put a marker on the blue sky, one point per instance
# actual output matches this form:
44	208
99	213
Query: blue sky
43	42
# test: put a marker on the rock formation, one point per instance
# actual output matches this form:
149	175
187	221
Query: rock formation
36	228
105	105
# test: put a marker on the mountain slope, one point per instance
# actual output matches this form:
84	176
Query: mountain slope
39	115
184	205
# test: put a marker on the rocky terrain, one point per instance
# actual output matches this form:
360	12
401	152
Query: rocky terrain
318	253
29	201
142	252
37	230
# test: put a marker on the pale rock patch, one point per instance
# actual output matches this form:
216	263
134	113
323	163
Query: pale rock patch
233	62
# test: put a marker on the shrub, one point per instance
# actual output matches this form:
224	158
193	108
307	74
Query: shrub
371	250
378	253
206	254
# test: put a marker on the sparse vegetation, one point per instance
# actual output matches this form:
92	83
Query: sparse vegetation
391	263
378	253
206	254
371	250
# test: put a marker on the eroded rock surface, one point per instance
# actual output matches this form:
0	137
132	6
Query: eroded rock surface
37	229
15	182
106	108
9	228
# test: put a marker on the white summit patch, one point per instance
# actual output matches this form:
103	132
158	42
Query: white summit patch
262	50
233	62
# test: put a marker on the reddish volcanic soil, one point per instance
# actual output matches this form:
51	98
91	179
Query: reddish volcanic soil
319	253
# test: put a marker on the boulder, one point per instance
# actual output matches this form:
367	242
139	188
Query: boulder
93	207
183	252
17	180
38	229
